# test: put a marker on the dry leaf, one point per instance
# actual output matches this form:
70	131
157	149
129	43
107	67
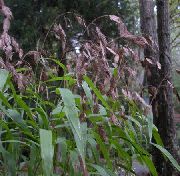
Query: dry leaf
139	40
127	94
80	20
170	84
149	61
113	52
101	36
60	34
158	65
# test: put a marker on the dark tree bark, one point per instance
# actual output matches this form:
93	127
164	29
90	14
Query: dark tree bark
159	81
165	119
151	76
149	29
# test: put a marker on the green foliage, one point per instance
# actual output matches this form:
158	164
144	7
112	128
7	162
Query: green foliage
32	19
3	78
43	135
47	151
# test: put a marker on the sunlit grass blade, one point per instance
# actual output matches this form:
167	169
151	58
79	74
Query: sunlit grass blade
88	93
157	137
47	151
147	160
72	116
3	78
150	126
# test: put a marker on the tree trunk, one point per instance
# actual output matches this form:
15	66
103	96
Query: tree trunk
159	81
165	119
148	28
151	76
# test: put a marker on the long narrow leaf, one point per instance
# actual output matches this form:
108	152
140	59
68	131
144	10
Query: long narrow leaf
96	91
104	149
157	137
150	126
100	170
3	78
71	112
5	100
87	92
150	165
168	155
47	151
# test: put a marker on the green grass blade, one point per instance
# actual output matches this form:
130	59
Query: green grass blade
150	126
150	165
96	91
3	78
44	117
71	111
87	92
100	170
157	137
23	105
168	155
47	151
104	149
5	100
